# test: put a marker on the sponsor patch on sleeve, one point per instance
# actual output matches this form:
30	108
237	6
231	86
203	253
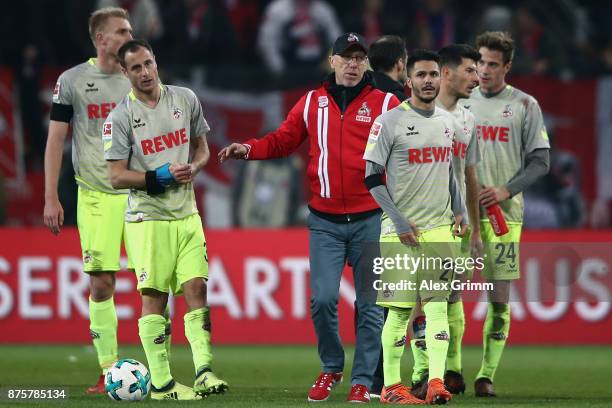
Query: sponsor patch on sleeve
56	92
375	131
107	135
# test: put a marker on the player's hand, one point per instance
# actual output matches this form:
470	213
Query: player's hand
410	238
181	172
53	215
493	195
458	229
476	246
234	151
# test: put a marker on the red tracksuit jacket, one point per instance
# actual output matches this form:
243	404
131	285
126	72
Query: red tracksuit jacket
337	142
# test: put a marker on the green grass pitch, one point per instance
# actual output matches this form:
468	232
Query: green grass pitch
279	376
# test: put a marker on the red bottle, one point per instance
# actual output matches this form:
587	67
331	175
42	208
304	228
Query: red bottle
498	222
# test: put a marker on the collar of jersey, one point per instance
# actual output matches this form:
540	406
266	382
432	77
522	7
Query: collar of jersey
132	95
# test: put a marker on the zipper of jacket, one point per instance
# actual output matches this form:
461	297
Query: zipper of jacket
342	111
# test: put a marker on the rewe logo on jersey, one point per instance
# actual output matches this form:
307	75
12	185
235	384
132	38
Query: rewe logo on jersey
160	143
493	133
434	154
100	111
459	149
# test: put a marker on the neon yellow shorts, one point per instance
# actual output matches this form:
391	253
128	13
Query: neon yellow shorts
431	279
100	218
167	254
502	260
462	246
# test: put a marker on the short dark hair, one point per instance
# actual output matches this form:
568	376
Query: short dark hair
452	55
497	41
132	46
421	54
385	52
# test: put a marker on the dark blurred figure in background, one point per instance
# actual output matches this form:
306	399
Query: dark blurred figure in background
144	15
387	58
434	24
539	51
295	37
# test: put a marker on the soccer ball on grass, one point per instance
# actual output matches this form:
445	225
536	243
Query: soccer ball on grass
127	380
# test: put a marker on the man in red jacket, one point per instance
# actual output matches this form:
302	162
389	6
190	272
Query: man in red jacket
336	118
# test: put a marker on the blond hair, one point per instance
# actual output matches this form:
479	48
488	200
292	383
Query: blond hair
100	17
497	41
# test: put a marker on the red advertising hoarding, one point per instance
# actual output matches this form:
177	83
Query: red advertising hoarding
259	291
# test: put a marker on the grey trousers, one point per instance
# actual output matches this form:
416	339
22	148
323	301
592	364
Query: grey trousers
331	246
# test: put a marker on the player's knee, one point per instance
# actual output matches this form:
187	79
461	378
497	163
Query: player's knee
101	286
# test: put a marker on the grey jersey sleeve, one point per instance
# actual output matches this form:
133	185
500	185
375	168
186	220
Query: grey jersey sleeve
116	134
199	126
457	202
537	164
384	200
472	156
380	143
534	135
63	92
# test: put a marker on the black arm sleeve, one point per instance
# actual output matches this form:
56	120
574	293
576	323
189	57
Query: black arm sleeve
61	113
537	164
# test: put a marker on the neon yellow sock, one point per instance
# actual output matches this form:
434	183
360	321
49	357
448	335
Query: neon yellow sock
436	336
456	328
151	330
197	331
103	331
421	359
168	331
393	343
494	334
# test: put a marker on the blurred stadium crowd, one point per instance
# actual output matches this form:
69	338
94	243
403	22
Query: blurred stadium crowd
265	45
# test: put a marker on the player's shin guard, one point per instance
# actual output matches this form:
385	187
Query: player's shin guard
197	331
436	336
103	331
151	329
418	345
456	327
393	343
494	335
168	331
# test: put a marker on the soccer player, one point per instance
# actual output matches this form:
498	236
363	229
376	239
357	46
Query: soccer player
83	96
458	78
336	119
515	154
412	145
147	140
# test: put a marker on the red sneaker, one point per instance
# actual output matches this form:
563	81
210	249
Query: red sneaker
323	385
98	388
359	393
399	394
437	393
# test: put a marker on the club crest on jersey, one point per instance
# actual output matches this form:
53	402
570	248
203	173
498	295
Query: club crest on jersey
466	130
363	114
177	113
507	111
323	102
448	133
